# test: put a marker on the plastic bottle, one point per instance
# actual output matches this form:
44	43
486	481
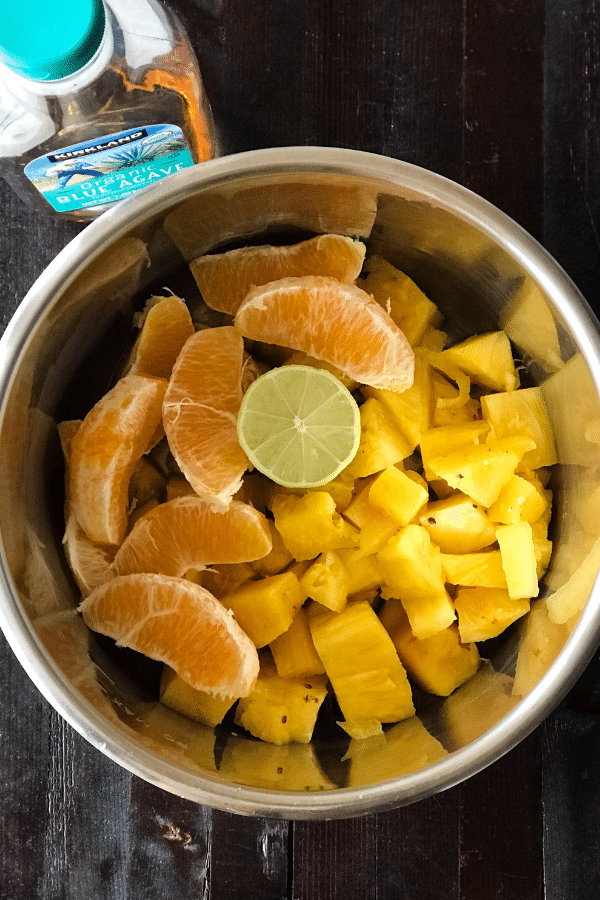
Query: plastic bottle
98	99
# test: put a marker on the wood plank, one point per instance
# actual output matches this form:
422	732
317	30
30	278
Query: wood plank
249	858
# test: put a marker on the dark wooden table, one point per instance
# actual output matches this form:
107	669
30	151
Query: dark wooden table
501	96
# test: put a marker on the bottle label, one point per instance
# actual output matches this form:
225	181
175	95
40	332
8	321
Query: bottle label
109	168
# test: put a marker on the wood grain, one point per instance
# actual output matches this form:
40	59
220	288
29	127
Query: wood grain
503	98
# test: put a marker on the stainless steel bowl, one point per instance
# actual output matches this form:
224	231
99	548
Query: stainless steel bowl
484	272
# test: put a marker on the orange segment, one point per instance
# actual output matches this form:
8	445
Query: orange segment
335	322
200	411
186	533
89	562
165	325
224	279
179	623
104	452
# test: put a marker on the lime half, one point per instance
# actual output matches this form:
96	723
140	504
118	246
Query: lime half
299	425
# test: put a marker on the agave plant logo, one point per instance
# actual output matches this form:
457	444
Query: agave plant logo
153	147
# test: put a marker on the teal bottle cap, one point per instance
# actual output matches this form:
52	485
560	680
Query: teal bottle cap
49	39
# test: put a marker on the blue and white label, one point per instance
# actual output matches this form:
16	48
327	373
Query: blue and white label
109	168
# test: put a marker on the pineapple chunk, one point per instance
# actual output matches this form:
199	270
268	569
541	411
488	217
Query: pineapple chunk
362	665
327	581
277	558
361	729
266	608
522	413
437	664
294	650
412	409
223	579
177	694
381	444
406	303
375	527
281	710
518	560
341	488
518	501
487	359
412	571
458	524
433	339
310	525
363	571
447	439
398	495
474	569
481	471
484	613
444	414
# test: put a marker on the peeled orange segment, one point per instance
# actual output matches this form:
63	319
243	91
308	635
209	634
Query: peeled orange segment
200	411
104	452
89	562
186	533
179	623
224	279
338	323
299	426
166	324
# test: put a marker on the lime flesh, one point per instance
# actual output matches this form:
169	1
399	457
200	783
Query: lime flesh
299	426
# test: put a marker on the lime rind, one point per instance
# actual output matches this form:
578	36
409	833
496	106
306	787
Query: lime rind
299	425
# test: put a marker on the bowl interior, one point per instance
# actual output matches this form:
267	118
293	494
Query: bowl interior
63	350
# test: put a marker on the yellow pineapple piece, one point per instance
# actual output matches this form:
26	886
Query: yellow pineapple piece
362	728
223	579
398	495
481	471
487	359
362	665
445	414
364	572
519	501
412	571
341	488
522	413
541	546
458	524
406	303
446	439
433	339
277	558
412	409
381	441
375	527
264	609
309	524
294	651
484	613
482	569
281	710
327	581
177	694
437	664
518	559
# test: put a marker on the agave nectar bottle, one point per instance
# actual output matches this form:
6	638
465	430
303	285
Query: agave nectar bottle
98	99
